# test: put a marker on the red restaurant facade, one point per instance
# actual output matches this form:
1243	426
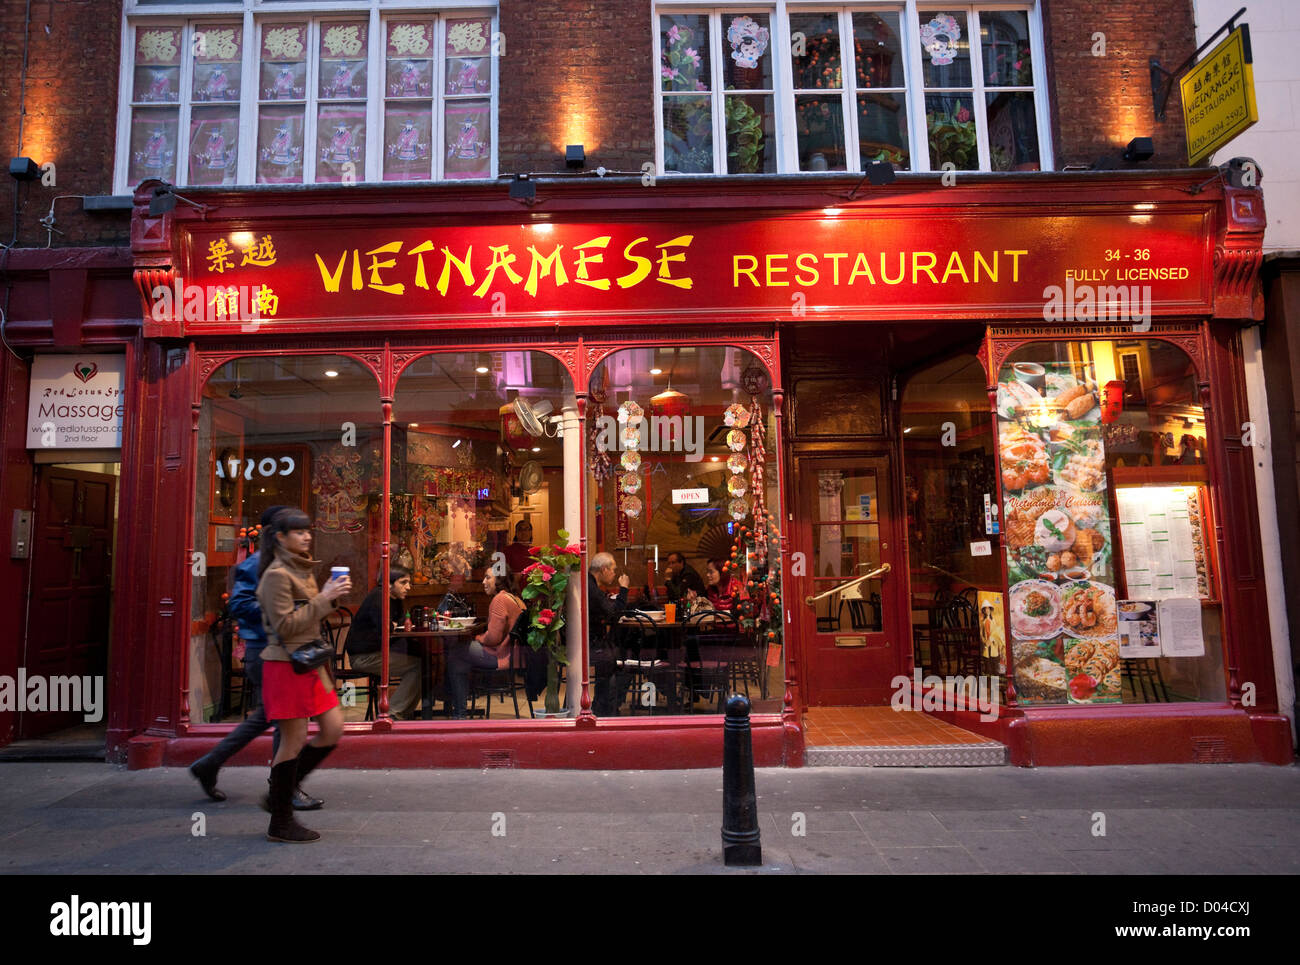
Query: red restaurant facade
899	344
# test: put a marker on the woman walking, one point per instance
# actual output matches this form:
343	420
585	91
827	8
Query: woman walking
292	609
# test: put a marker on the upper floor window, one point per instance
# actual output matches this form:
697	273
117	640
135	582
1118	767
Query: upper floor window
270	93
801	87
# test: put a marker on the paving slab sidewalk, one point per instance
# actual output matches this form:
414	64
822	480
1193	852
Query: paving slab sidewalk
66	818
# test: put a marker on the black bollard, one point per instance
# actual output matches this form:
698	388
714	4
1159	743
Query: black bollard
740	837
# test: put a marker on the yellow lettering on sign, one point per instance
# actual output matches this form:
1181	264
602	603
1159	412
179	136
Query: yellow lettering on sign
543	265
502	259
902	270
665	271
393	247
466	273
771	269
928	268
835	257
955	260
583	278
737	271
1015	263
860	267
799	263
332	282
991	272
420	280
641	272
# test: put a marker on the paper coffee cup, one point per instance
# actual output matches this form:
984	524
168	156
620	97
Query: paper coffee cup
338	572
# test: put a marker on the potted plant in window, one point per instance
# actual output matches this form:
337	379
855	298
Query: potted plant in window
952	138
688	122
744	137
545	587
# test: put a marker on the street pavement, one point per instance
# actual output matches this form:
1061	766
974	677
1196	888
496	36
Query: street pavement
91	818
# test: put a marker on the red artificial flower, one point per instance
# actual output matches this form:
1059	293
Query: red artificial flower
535	550
547	571
545	617
530	567
575	549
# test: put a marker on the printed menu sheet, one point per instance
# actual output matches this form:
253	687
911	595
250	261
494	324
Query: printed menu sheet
1166	628
1163	548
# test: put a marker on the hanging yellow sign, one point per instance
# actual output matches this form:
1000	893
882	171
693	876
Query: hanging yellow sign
1219	96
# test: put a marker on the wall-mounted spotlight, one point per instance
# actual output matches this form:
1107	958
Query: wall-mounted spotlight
165	197
521	189
575	156
24	169
1139	149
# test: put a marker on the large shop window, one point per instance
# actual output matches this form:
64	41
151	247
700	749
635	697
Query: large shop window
271	93
1113	594
951	491
300	431
788	88
683	495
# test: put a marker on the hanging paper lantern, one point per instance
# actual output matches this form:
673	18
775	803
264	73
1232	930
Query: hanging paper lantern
671	404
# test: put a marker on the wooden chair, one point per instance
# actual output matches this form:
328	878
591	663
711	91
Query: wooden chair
713	643
334	631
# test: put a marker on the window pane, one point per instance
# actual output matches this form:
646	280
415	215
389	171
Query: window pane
158	65
279	145
473	488
945	50
748	64
469	132
877	50
951	127
217	62
819	121
409	59
341	142
1004	44
882	129
693	427
284	62
688	135
342	60
1013	133
214	145
751	135
1087	430
815	51
407	138
684	52
153	143
268	434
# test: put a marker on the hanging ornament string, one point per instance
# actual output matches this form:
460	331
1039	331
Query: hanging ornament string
757	460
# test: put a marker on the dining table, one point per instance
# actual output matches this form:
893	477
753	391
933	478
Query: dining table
432	644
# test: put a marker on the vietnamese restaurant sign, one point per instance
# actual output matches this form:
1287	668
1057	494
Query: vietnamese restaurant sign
808	265
76	402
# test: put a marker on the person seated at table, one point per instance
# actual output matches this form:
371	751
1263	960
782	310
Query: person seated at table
363	642
723	590
490	650
603	613
680	578
519	554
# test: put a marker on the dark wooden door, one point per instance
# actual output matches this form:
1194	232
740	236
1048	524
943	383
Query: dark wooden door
72	566
851	639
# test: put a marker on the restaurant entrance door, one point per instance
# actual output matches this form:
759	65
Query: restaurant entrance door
853	645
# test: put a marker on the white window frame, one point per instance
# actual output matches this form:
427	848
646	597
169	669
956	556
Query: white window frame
253	14
910	24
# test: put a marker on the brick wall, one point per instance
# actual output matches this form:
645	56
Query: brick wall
1100	103
72	69
576	71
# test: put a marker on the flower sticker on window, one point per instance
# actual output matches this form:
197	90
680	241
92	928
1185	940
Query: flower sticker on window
748	41
939	37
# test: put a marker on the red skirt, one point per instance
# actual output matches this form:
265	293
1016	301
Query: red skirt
288	696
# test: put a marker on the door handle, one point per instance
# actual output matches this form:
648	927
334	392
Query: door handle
880	570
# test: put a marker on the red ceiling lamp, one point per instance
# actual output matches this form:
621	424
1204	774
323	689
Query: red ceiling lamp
670	404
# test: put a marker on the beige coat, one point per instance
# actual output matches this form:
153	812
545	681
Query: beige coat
292	607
